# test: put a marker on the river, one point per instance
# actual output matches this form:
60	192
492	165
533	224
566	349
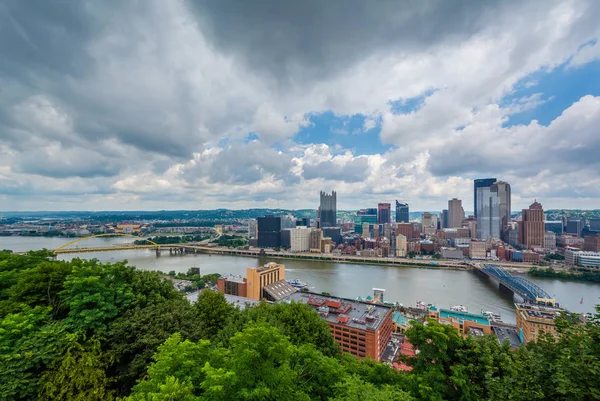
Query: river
403	284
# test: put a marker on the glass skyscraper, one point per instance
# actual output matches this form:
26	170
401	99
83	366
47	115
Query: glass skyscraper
488	213
328	210
480	183
402	212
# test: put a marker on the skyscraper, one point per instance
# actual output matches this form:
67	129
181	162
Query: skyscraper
480	183
384	213
328	210
402	215
488	213
531	226
269	232
503	190
456	213
444	218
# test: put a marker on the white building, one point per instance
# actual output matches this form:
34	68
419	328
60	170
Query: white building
252	228
582	258
549	240
300	239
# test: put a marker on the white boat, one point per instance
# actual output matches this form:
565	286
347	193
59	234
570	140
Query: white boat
296	283
459	308
493	316
423	305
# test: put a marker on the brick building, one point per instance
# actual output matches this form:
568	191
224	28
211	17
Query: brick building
361	329
592	243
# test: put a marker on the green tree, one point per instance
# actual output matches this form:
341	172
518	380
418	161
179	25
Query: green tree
78	375
355	389
95	294
213	311
178	370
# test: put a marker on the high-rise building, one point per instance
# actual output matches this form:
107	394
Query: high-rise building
387	230
504	197
364	216
556	226
335	233
384	213
269	231
456	213
592	243
328	210
300	239
488	213
402	213
531	226
480	183
574	226
366	230
444	219
287	221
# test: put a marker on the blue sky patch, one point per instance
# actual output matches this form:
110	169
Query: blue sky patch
560	87
410	104
358	133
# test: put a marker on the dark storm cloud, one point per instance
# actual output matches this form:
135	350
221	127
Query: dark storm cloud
315	38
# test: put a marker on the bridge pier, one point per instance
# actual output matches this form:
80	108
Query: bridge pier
157	252
504	288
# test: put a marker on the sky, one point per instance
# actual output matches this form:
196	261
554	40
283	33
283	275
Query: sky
201	104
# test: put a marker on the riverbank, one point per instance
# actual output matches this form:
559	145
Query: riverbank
589	276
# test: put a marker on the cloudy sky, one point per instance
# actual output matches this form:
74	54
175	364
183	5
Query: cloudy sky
177	104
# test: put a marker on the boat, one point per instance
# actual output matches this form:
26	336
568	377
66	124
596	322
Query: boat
423	305
493	316
459	308
296	283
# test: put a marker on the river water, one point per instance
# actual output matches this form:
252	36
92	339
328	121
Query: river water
406	285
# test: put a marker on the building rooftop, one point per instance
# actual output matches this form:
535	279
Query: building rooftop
538	312
507	333
356	314
279	290
473	317
267	266
400	319
234	277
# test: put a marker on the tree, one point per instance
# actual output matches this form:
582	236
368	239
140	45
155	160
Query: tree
355	389
95	294
178	370
213	311
78	375
135	337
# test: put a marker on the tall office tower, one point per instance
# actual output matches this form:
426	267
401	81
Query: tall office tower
401	246
456	213
384	213
488	213
269	232
402	215
531	227
328	210
503	190
366	230
480	183
444	219
252	228
364	216
556	226
288	221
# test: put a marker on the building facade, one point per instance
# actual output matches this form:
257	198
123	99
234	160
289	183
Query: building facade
556	226
531	226
269	231
252	228
592	243
257	278
401	246
502	190
402	212
456	213
480	183
549	240
328	209
315	240
360	328
574	227
384	213
535	320
300	239
488	213
477	250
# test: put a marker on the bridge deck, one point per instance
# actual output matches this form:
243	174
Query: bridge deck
525	288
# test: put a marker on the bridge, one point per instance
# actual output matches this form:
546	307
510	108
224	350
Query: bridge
526	289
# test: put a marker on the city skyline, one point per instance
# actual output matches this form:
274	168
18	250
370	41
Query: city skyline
170	105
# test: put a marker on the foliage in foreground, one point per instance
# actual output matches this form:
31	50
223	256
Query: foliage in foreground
83	330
